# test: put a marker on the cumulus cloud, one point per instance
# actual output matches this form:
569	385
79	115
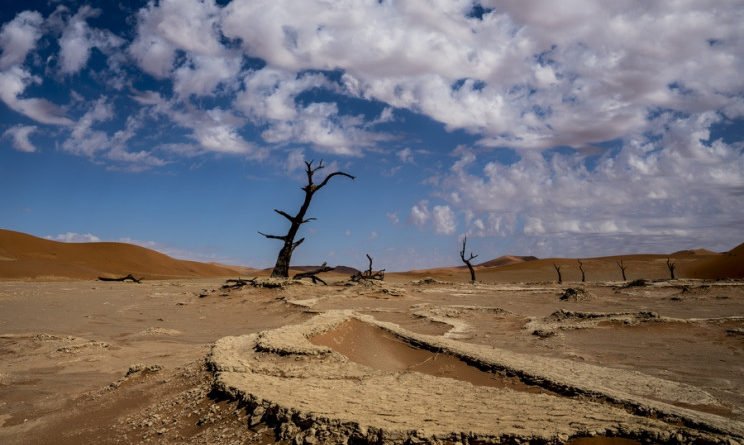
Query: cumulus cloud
18	37
420	213
78	39
522	75
19	136
73	237
13	83
406	155
169	26
444	220
673	187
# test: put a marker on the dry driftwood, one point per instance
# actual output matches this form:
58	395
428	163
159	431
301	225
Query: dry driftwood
237	284
312	274
369	274
129	277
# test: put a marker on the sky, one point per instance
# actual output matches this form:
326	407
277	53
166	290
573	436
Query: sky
575	128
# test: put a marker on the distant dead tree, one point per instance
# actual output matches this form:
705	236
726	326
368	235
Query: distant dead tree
467	260
622	267
558	271
369	274
281	268
672	267
581	268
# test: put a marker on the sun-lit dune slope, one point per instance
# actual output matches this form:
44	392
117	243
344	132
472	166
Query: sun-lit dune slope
507	260
698	263
726	265
24	256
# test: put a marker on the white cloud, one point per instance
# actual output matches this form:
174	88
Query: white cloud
532	75
420	213
78	38
406	155
295	160
73	237
171	25
393	217
18	37
672	187
19	136
444	220
13	83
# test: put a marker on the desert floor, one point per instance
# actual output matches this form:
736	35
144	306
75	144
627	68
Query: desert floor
94	362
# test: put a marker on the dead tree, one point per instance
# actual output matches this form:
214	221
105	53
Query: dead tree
558	271
581	268
281	268
467	260
622	268
239	283
312	274
369	274
672	267
129	277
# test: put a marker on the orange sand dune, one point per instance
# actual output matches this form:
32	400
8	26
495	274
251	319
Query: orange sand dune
727	265
507	260
24	256
698	263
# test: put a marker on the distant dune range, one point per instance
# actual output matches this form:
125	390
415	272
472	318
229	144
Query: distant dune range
24	256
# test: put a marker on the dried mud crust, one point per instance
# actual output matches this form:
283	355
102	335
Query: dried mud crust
151	405
311	394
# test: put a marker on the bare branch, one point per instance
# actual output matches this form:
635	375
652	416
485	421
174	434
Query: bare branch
282	237
297	243
308	220
325	181
285	214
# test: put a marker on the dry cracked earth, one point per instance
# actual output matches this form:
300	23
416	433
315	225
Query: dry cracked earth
394	362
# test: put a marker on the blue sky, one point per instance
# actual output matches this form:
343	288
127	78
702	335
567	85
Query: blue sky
540	128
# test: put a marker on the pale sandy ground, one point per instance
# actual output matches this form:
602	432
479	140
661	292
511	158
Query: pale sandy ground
66	347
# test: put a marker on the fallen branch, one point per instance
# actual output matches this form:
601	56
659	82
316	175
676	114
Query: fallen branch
237	284
129	277
312	274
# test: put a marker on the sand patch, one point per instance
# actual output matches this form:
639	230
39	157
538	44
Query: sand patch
372	346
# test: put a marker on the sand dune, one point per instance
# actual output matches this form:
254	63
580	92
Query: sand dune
24	256
506	260
727	265
698	263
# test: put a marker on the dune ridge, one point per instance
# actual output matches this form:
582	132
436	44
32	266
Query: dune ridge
24	256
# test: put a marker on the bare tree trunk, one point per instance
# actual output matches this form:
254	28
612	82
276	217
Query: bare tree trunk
467	260
622	268
281	268
671	266
581	268
558	270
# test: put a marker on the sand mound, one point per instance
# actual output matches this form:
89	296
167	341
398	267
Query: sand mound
321	382
507	260
26	256
727	265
